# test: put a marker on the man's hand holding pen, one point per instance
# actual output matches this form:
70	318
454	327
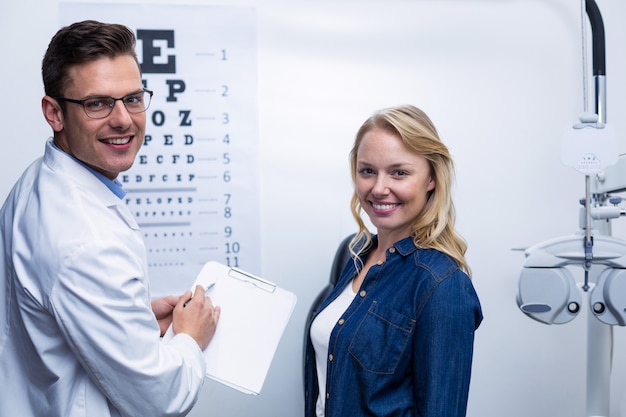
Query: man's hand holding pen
206	290
196	316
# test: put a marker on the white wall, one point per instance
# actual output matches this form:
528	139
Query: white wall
500	78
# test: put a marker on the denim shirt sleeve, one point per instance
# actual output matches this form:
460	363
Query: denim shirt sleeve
443	347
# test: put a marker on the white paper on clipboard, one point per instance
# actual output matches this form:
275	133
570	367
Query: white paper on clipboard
253	318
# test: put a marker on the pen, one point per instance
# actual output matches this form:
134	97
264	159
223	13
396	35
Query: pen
206	289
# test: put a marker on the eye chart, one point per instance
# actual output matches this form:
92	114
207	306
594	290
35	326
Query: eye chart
194	186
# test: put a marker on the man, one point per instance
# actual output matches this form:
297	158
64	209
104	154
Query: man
79	335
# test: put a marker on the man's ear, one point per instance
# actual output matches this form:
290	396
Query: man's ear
53	113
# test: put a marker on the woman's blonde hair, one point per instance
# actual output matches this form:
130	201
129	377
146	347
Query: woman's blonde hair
434	226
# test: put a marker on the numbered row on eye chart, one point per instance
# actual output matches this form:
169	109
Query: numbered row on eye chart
182	244
204	236
181	203
206	171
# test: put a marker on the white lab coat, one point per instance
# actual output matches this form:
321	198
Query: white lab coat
78	336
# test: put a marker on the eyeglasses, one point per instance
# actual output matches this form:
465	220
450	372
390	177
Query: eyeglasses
99	107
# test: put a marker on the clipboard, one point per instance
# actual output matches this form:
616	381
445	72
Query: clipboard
253	318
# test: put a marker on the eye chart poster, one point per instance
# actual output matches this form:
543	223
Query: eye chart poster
194	185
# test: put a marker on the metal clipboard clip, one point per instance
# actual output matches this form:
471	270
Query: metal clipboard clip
258	282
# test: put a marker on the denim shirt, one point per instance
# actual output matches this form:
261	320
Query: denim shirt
404	346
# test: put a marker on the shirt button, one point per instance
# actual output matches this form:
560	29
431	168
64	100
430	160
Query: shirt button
392	250
362	293
341	321
327	395
330	357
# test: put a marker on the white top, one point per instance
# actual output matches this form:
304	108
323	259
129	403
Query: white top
77	333
321	328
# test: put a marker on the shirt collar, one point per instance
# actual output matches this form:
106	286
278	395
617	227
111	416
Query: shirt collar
405	246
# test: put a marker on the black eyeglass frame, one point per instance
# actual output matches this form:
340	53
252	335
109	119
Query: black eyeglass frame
111	105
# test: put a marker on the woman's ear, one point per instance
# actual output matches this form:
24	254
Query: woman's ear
53	113
431	184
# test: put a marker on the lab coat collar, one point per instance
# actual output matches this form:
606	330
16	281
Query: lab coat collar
67	166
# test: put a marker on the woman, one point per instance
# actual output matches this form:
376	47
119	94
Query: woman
395	336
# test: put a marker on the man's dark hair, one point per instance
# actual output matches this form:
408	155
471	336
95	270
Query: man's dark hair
79	43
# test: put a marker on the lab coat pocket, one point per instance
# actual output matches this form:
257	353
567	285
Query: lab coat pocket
381	338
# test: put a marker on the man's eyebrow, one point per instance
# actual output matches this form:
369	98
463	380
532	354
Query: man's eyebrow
98	95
